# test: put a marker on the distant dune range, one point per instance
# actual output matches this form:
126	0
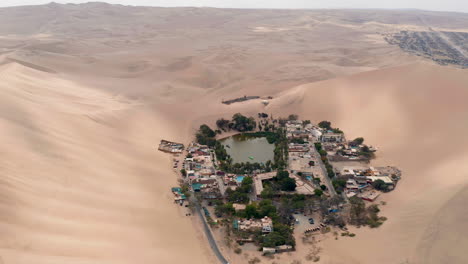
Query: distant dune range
87	91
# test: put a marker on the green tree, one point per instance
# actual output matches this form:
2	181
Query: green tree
224	209
273	239
323	152
380	185
282	174
337	130
183	172
325	125
267	192
288	184
207	131
318	192
251	211
357	141
266	208
222	124
242	123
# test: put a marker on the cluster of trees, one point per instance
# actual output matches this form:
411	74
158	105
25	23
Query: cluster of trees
281	150
220	151
241	194
290	204
239	123
327	125
281	235
330	217
339	184
360	215
244	167
271	137
323	155
380	185
206	136
224	209
242	123
282	182
356	142
258	210
285	182
297	140
365	151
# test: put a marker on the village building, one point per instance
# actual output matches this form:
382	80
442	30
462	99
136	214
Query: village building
369	196
171	147
303	187
316	133
258	181
238	206
293	147
352	185
265	224
332	137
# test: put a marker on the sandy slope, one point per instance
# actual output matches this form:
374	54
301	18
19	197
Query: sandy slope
415	114
81	180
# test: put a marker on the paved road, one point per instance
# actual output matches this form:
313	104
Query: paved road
209	235
328	183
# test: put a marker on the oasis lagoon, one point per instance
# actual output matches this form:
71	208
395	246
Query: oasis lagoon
244	148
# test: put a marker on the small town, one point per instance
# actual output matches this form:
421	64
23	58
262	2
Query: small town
278	180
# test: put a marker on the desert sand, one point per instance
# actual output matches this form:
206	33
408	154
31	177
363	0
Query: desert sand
87	91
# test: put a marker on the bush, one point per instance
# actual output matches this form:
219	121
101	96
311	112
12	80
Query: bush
325	125
224	209
288	184
205	136
357	141
281	174
242	123
297	141
318	192
222	124
380	185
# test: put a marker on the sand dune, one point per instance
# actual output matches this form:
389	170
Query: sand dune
80	182
87	91
416	122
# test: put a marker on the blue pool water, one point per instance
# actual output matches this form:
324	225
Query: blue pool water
239	178
309	178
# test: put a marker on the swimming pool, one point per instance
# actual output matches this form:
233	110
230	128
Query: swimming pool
239	178
309	178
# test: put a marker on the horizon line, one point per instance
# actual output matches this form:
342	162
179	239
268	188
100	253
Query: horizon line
246	8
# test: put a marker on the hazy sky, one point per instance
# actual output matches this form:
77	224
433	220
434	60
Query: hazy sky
439	5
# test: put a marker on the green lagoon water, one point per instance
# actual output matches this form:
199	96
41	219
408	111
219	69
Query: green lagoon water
240	148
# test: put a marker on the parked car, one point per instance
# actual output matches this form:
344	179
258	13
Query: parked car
311	221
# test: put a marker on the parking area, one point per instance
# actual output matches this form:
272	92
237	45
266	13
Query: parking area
304	224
